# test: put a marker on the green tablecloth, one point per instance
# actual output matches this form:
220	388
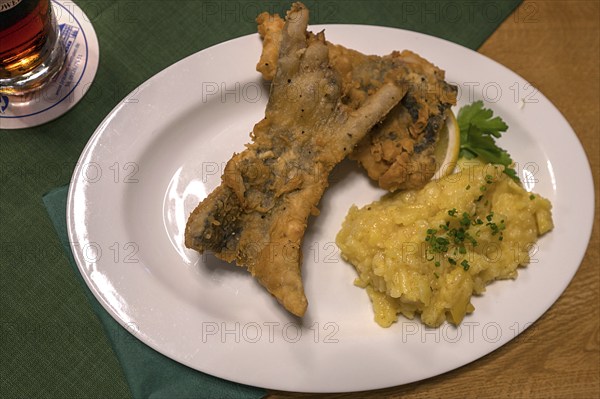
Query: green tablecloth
52	344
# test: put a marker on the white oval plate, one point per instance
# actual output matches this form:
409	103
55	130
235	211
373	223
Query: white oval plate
162	150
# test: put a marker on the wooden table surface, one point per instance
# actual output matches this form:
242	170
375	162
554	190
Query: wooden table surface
555	46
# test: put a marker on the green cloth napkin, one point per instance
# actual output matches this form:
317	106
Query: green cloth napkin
149	374
52	343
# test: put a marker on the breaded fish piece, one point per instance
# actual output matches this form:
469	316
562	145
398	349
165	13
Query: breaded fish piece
399	152
258	215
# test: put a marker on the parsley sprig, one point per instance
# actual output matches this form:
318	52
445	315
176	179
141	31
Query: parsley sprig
478	133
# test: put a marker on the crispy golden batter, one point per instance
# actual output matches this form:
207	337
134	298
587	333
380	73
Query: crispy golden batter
269	28
398	153
259	213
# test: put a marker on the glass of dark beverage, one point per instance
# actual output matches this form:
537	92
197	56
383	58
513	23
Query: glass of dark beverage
31	51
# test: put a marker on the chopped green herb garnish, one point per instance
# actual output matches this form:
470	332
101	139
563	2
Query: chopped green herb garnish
452	238
466	219
441	244
532	197
465	264
496	228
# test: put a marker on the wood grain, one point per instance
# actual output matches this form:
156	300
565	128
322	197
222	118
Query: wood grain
555	46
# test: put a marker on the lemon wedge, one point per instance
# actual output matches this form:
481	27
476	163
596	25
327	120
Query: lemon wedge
447	148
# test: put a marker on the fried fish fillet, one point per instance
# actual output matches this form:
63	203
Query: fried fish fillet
399	152
258	215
